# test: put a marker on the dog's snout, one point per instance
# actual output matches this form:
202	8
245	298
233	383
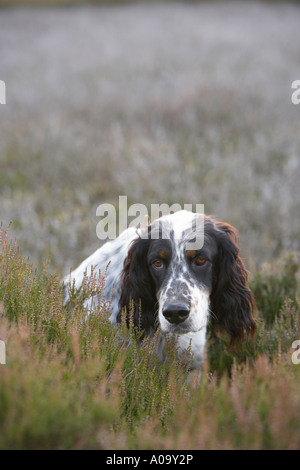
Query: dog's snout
176	313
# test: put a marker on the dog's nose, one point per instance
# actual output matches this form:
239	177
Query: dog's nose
176	313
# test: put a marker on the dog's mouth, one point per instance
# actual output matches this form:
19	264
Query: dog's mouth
181	328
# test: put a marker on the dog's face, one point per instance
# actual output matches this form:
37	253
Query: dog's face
182	276
183	269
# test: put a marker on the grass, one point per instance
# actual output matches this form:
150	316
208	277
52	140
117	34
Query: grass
73	382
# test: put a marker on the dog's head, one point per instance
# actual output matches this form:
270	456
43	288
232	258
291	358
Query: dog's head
183	270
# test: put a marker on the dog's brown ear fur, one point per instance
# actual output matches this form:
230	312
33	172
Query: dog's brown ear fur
232	302
137	288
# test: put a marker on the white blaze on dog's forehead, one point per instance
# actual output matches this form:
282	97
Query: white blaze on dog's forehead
180	224
180	221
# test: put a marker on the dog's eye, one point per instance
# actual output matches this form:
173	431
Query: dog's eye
158	264
200	261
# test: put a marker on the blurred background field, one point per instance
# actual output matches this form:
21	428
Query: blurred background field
186	103
172	102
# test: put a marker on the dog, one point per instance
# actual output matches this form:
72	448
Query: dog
162	279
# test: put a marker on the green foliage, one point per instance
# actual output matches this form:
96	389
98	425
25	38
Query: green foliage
74	381
272	288
276	292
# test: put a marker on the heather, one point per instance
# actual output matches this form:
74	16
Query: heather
74	381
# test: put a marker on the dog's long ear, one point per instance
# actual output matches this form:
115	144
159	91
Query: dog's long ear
232	302
137	288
